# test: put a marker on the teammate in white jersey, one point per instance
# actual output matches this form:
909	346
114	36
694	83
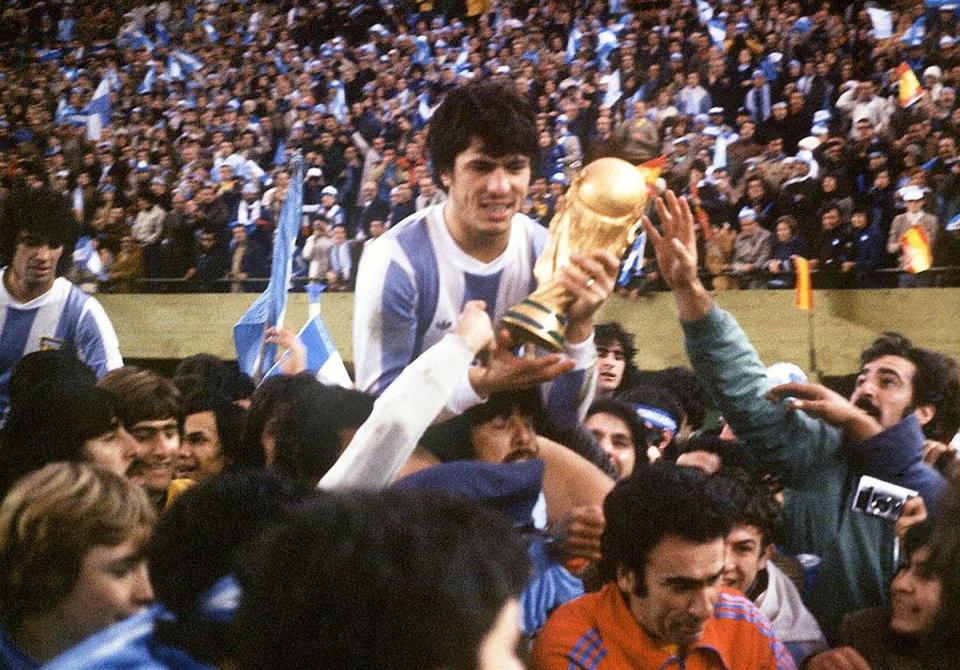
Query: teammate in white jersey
413	283
37	309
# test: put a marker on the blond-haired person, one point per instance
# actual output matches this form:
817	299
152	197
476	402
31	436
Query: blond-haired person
71	559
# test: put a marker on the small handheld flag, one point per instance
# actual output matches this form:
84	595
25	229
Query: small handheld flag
910	89
254	356
915	246
804	285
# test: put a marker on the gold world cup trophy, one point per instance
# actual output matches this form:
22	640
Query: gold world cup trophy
601	210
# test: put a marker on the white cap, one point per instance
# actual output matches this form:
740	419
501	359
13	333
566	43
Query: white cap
909	193
747	213
328	190
933	71
314	172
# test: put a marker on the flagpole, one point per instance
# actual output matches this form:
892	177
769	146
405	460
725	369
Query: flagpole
812	346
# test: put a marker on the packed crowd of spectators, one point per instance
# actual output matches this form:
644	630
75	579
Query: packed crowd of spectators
777	114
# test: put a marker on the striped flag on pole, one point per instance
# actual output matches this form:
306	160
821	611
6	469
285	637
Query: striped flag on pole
254	356
323	359
910	89
916	250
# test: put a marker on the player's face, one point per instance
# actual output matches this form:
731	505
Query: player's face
200	455
485	192
34	264
611	365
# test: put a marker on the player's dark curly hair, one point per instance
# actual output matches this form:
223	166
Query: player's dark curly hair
491	111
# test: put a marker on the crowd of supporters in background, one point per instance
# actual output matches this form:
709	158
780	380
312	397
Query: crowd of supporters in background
465	501
780	120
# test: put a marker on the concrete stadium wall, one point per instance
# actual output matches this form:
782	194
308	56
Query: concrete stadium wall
175	326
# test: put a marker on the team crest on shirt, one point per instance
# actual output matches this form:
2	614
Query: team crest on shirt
442	325
51	343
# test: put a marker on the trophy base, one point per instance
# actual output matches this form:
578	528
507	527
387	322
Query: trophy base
532	321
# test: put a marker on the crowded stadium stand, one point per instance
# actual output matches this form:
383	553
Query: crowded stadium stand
728	438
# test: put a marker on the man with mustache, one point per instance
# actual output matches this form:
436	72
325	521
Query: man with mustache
413	283
38	310
816	442
151	411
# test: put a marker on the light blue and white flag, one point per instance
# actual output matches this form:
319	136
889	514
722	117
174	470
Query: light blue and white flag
607	41
614	92
705	10
632	265
174	69
136	40
188	61
254	356
163	37
98	110
338	105
149	79
916	32
47	55
882	20
573	42
421	54
718	31
212	34
323	359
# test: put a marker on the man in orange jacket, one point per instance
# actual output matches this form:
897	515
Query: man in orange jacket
663	607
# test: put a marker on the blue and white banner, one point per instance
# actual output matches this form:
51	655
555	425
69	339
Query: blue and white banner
632	266
254	356
882	20
98	110
188	61
149	79
323	359
573	42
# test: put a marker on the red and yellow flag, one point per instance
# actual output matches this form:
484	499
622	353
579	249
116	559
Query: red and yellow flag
910	89
804	285
915	246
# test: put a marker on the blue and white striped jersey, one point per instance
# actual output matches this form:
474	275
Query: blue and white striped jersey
411	287
62	317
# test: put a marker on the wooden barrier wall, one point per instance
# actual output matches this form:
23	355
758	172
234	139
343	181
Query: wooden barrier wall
174	326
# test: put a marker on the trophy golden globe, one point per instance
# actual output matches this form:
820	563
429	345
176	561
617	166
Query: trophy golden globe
601	210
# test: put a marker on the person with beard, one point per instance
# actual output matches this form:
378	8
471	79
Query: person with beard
817	442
